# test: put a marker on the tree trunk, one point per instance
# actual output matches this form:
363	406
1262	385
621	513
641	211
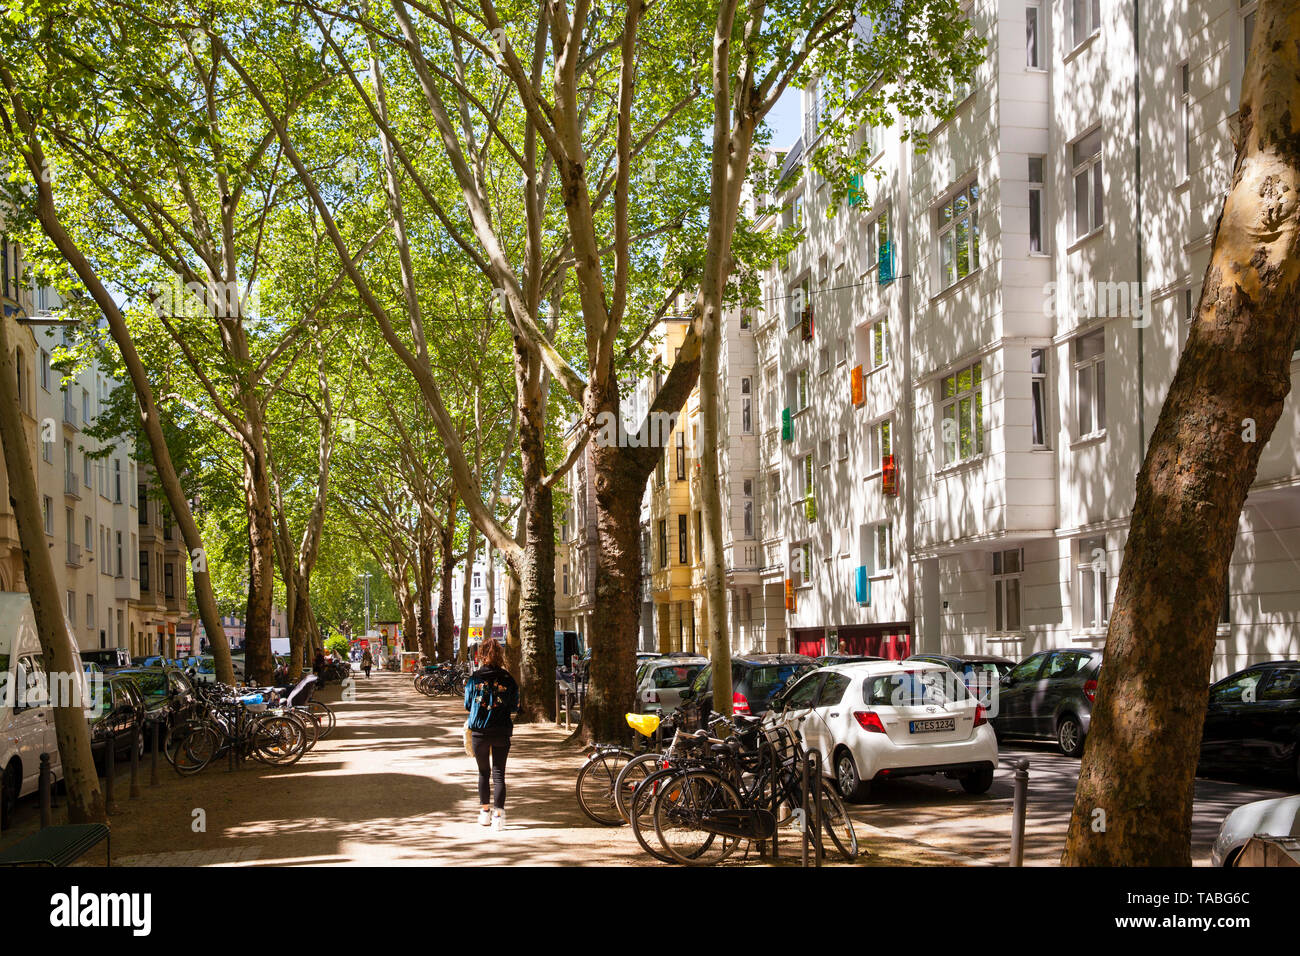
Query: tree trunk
490	577
447	553
150	422
258	662
424	592
85	800
471	547
300	623
1133	805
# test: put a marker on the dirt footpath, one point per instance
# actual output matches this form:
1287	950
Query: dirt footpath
391	786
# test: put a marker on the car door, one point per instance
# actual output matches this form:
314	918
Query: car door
797	704
824	728
1227	719
1276	715
1059	679
1014	694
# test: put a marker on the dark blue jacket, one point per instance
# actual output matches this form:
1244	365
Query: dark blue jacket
491	697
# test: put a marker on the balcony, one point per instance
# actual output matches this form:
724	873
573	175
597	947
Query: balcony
71	485
69	412
74	555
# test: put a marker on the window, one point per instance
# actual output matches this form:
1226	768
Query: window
169	580
1090	383
962	410
880	343
478	580
85	469
1094	610
47	449
1089	196
681	455
882	548
89	534
659	472
119	551
682	543
823	360
1249	9
879	445
843	445
1087	19
47	511
811	114
878	244
117	480
85	406
699	536
803	477
801	563
1225	612
19	366
72	608
1183	155
1033	36
564	587
748	486
746	407
746	321
959	238
1036	211
45	370
478	607
144	570
1007	567
796	384
1038	397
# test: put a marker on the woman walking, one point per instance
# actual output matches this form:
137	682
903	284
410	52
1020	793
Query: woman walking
491	697
367	662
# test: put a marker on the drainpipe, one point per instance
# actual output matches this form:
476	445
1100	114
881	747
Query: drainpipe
909	406
1137	168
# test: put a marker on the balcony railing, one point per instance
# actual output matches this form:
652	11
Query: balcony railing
71	484
69	412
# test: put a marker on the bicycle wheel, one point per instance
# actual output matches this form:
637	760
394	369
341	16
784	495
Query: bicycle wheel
324	715
190	746
595	785
310	726
836	822
681	823
641	810
278	739
633	772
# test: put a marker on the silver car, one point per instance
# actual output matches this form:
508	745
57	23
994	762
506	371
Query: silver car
660	682
1279	816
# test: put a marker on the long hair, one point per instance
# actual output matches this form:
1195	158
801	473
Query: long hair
491	654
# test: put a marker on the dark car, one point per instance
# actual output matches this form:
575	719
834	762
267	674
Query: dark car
109	659
121	718
754	679
1252	723
827	659
168	695
979	672
1048	696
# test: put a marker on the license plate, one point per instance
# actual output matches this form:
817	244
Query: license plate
931	726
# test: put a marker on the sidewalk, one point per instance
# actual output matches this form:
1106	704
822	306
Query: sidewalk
391	786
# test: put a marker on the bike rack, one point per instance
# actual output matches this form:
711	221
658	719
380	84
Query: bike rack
810	775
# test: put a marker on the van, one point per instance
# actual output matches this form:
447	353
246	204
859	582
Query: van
26	717
567	644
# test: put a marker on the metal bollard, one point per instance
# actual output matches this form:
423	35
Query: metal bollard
47	777
557	703
110	771
135	762
153	753
1019	800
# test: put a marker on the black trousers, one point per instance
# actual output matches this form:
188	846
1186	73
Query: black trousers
496	745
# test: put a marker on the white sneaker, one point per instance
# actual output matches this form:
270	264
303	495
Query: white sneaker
499	820
484	817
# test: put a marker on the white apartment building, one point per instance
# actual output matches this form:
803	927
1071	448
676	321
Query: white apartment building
478	601
959	371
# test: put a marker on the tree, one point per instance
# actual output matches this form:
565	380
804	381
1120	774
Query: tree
1133	805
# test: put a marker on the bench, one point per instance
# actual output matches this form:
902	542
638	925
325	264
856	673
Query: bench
58	846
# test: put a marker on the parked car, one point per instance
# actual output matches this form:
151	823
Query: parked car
660	682
568	644
1252	723
980	672
26	717
1048	696
109	659
1277	817
120	714
754	679
878	720
826	660
167	693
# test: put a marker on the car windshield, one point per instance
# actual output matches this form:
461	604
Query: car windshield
914	688
206	666
679	675
151	684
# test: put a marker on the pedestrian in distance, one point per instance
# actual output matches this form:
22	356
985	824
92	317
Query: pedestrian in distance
492	699
367	662
318	665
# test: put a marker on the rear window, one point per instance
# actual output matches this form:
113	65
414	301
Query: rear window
766	679
914	688
151	685
679	675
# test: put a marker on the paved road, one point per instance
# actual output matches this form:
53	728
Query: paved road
936	813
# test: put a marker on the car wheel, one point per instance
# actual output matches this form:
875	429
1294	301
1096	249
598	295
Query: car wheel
1069	735
852	788
10	784
978	781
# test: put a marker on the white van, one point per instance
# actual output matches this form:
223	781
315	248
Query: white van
26	717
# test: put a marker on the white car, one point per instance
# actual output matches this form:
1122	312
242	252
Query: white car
1277	817
876	720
